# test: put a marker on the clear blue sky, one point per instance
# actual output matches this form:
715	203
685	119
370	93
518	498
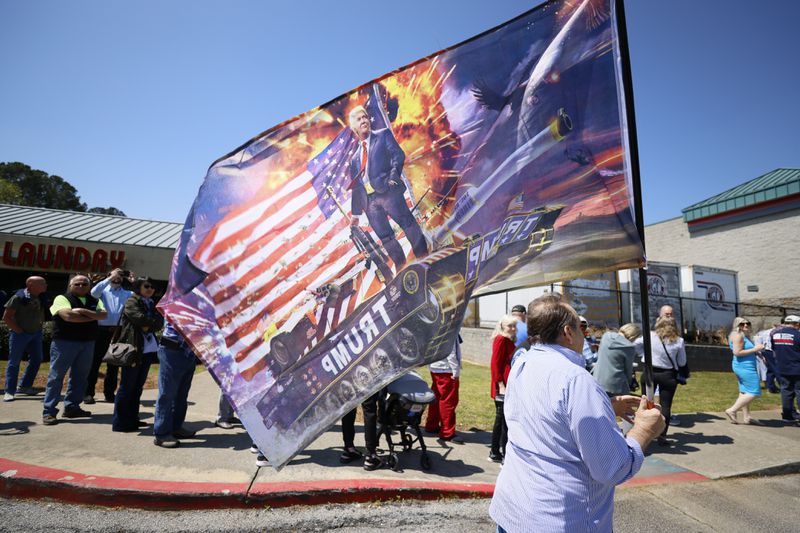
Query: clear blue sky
131	101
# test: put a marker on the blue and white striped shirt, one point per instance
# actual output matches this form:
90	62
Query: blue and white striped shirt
565	453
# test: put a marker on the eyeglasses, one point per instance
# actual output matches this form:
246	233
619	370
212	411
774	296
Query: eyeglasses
148	287
746	324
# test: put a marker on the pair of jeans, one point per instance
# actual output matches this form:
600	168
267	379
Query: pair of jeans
175	373
790	396
442	411
72	356
104	334
225	411
499	431
129	396
18	343
666	381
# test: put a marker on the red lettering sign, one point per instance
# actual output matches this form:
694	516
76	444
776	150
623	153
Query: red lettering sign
51	256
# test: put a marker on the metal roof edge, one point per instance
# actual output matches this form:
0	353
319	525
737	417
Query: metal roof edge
85	213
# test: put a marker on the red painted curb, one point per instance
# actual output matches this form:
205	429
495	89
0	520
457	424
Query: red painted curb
21	480
677	477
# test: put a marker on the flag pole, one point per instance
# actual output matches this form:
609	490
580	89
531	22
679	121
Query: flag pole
627	81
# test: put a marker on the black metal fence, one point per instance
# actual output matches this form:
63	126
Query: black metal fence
623	306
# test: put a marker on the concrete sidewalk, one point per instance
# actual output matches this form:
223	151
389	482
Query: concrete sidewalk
83	460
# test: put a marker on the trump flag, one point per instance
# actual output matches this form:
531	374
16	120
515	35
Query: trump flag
338	250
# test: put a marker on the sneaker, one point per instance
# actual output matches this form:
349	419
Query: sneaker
495	457
183	433
254	448
109	398
28	391
76	412
372	462
166	442
261	460
224	424
8	397
49	420
674	421
88	400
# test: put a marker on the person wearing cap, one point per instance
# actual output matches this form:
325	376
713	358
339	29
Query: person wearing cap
519	312
786	345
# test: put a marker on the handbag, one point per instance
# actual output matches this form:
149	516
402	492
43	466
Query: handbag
682	373
121	353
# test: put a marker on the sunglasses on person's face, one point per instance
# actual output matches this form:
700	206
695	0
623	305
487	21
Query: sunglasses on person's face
148	287
746	324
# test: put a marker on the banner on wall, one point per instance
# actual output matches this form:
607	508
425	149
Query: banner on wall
336	251
663	288
596	298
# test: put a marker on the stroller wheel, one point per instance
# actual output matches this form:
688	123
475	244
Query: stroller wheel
425	462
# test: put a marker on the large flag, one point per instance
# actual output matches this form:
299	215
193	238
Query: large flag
338	250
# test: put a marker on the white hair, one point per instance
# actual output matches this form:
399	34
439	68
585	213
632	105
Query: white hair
353	112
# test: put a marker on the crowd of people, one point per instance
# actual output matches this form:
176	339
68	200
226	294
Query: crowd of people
557	391
87	319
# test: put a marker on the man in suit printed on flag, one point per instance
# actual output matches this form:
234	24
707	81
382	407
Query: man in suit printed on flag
378	187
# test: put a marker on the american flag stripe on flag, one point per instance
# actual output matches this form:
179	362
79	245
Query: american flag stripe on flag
291	266
294	268
250	355
276	298
266	260
237	230
271	251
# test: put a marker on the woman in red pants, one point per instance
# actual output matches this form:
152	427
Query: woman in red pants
442	412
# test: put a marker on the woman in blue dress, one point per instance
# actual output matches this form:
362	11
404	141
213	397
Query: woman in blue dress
745	368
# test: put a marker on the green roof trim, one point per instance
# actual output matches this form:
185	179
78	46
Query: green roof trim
779	183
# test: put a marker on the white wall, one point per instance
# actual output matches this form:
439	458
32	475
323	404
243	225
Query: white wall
765	251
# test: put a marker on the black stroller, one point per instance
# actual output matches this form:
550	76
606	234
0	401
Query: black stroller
402	407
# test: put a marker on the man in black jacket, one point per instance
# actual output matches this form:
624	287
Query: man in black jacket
75	316
378	188
786	345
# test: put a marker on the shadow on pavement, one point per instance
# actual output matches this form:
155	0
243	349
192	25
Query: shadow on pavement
408	461
690	420
685	443
20	427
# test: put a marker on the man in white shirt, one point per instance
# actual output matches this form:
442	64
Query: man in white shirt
565	453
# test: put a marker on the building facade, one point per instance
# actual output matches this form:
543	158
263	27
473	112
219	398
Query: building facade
55	244
752	229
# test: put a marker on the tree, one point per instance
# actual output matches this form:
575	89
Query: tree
39	189
9	193
107	211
